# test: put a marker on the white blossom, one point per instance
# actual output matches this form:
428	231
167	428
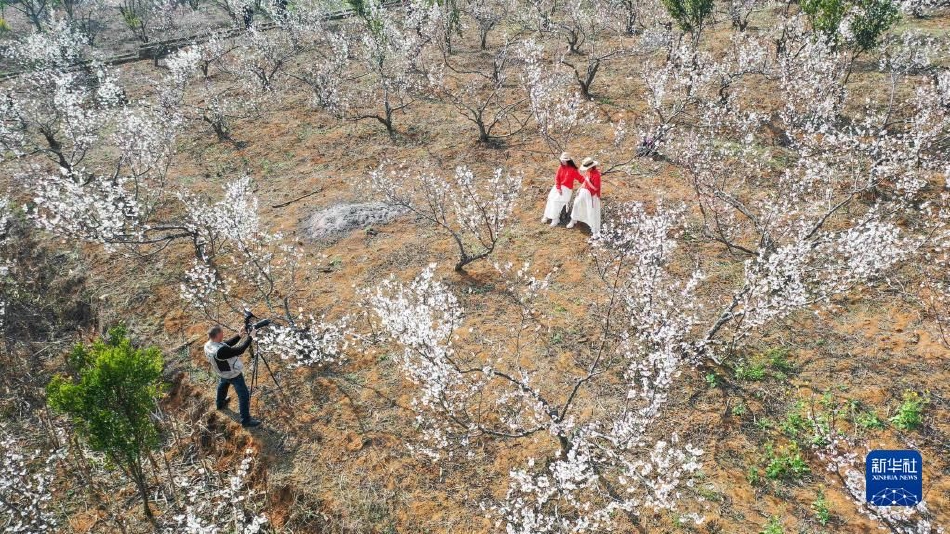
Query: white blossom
25	494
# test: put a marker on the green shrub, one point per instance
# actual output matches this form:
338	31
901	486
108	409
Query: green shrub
825	15
689	15
111	399
872	18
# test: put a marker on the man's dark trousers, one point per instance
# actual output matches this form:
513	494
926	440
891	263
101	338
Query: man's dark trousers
244	396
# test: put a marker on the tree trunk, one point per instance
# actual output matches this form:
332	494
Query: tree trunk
388	121
143	491
57	149
585	89
483	136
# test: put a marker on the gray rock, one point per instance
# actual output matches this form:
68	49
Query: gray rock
339	220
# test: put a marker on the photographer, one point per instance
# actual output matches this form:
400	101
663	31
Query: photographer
224	356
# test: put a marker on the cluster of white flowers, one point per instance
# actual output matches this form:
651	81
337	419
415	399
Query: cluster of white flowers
25	478
67	105
673	85
557	109
389	56
201	285
313	344
101	209
7	281
233	217
183	94
812	92
585	489
487	14
54	108
263	59
326	77
920	8
612	465
235	252
817	224
473	210
211	507
422	317
485	97
604	465
596	34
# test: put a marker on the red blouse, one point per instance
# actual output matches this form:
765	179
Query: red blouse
592	183
566	176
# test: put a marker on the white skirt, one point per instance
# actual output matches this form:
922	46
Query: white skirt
587	210
556	201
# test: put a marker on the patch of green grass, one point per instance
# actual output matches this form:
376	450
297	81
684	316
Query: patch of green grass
778	360
816	419
753	476
784	463
739	409
795	421
773	526
869	421
712	381
708	492
820	508
910	414
482	289
305	131
821	429
355	378
750	371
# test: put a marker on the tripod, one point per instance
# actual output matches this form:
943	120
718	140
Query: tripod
255	356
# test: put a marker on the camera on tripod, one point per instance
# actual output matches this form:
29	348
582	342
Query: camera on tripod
249	321
250	325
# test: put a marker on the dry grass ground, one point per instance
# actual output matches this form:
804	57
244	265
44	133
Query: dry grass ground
335	457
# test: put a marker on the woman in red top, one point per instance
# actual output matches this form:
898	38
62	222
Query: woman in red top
587	204
560	195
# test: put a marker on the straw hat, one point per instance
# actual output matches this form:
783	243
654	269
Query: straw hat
565	157
588	163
